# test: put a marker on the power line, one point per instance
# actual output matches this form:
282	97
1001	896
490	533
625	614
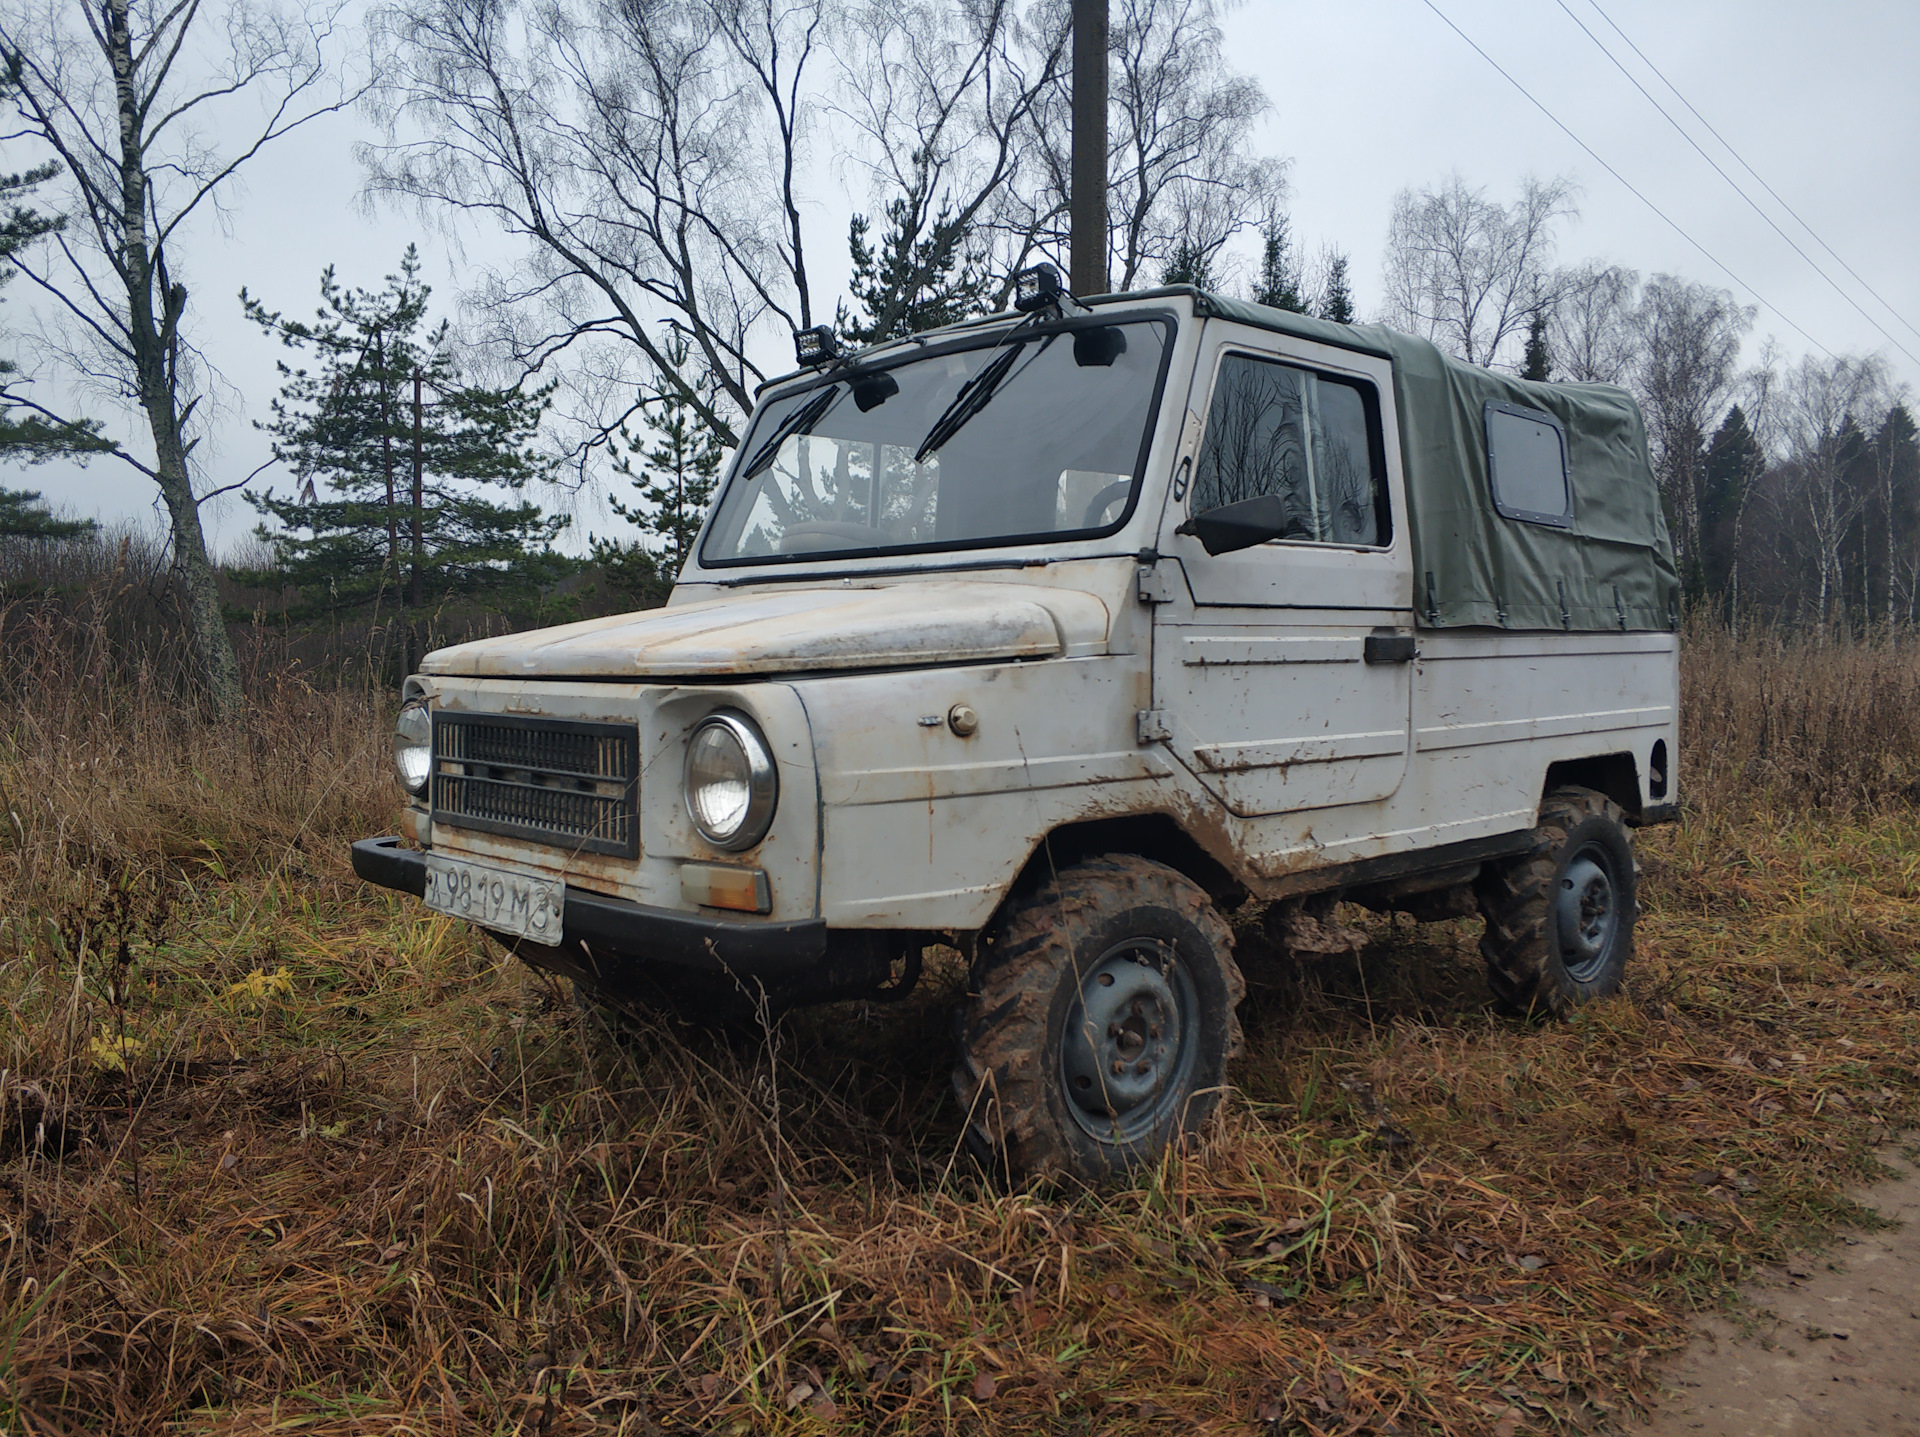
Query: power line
1626	184
1751	170
1751	202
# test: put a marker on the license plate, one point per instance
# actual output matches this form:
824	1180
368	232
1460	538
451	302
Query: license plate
497	898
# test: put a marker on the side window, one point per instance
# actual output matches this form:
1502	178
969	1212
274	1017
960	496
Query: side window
1309	438
1527	465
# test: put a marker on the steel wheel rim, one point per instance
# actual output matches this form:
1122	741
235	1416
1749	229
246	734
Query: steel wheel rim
1129	1042
1587	913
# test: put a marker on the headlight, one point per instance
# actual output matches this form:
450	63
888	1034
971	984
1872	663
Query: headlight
731	785
413	745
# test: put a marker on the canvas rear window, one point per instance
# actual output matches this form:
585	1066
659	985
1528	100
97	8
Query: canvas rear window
1527	464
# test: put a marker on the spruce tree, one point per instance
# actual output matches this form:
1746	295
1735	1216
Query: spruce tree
1188	264
1279	284
1733	464
397	457
1538	360
673	466
1337	303
907	283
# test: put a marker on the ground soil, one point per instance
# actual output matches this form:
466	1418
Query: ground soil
1827	1344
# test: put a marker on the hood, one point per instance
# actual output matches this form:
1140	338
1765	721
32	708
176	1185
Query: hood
797	631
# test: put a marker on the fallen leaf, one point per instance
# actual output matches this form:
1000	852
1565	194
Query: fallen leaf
983	1387
1508	1424
798	1395
824	1407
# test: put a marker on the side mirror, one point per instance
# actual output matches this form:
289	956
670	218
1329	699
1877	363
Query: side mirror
1242	525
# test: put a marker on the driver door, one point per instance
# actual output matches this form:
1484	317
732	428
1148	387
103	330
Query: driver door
1285	684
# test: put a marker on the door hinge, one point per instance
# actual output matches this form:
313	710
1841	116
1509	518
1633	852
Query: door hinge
1152	585
1152	725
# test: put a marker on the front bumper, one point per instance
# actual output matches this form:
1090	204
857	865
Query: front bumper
604	936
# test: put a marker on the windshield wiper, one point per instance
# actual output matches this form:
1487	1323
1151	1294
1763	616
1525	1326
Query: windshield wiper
971	399
798	422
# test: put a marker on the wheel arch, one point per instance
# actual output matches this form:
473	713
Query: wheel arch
1616	775
1147	835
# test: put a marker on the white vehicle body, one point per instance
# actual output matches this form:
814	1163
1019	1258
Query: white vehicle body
1273	721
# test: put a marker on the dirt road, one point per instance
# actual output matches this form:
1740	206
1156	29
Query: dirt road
1836	1352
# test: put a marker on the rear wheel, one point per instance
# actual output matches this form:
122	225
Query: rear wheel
1100	1030
1560	917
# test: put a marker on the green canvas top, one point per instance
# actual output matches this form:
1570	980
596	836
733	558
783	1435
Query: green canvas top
1611	567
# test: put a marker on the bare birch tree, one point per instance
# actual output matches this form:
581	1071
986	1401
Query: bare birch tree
652	154
152	107
1688	365
1182	176
1469	273
1590	327
1827	407
939	98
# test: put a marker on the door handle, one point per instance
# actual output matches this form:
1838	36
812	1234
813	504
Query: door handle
1390	649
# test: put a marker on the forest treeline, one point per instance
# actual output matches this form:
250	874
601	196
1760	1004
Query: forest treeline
663	169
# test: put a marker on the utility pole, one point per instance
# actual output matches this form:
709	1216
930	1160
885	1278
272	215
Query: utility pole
1087	204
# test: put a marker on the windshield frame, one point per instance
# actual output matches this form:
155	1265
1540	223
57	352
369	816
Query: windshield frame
982	335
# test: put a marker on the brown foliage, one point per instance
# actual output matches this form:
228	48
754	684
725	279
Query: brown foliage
323	1161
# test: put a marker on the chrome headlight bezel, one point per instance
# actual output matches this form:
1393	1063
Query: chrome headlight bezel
413	745
753	771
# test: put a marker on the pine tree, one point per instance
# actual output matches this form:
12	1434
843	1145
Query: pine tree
29	433
24	515
673	468
1538	361
1279	284
907	283
1337	303
396	457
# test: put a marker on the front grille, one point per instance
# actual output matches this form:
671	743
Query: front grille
572	785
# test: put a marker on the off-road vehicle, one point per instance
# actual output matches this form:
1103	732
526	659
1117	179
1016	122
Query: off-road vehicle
1054	636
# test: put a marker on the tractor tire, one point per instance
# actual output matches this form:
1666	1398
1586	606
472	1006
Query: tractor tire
1560	916
1100	1024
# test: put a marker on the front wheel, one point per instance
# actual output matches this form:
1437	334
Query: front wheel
1560	917
1100	1030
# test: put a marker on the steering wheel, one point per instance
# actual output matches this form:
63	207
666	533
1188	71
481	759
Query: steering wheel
1103	501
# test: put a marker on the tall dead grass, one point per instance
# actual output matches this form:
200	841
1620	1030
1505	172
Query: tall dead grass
284	1153
1799	717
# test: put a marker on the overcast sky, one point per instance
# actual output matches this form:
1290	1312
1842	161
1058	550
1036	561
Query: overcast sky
1368	96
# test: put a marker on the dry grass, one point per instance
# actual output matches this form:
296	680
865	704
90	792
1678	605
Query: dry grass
417	1193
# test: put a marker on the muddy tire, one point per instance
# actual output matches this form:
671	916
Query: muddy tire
1560	916
1098	1032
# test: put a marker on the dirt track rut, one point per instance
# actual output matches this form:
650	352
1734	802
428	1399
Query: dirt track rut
1836	1352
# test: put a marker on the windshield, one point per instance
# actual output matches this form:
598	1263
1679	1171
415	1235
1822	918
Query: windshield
1029	434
